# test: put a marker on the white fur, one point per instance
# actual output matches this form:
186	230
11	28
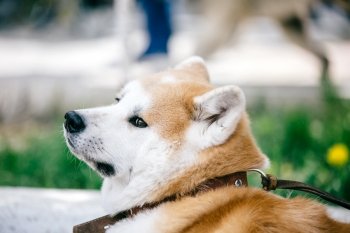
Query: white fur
143	160
228	103
108	133
266	162
153	168
143	222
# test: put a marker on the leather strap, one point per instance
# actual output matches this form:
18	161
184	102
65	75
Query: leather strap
270	182
238	179
97	225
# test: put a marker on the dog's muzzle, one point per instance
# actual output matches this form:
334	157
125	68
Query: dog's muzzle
74	122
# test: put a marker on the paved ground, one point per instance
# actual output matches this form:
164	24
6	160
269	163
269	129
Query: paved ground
27	210
38	76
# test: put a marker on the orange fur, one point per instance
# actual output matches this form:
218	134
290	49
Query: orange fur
246	210
239	153
191	81
171	126
226	209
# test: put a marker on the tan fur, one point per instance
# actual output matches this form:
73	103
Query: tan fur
246	210
226	209
192	81
239	153
172	118
169	125
177	97
224	16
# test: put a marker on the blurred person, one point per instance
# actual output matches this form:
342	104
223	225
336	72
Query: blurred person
159	26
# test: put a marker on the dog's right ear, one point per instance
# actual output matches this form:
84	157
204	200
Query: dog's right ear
196	66
216	115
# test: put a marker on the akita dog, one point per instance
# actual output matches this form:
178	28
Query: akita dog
224	16
167	134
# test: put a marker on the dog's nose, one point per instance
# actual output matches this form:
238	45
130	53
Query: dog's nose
74	122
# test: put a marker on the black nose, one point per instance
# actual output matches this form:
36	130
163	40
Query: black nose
74	122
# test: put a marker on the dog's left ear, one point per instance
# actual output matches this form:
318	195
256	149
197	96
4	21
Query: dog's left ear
216	115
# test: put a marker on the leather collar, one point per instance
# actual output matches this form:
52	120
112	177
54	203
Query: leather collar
238	179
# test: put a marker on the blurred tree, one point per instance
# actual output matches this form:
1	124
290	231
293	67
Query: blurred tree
40	13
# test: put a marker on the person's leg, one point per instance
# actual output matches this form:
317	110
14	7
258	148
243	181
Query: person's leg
158	17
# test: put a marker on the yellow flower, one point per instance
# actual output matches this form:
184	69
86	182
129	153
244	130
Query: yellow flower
338	155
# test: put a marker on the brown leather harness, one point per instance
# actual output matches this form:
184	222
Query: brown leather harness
237	179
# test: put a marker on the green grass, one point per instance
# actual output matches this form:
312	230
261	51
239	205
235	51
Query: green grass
295	139
44	162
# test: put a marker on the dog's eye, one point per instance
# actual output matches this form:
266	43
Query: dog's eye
117	99
138	122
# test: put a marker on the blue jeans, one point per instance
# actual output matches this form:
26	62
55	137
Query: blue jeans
159	28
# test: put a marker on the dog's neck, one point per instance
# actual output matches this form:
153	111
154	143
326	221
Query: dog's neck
238	179
239	153
100	224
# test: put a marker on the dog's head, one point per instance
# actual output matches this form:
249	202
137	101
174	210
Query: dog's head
163	135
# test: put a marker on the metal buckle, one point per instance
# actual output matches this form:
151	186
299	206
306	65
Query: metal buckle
263	174
268	182
238	183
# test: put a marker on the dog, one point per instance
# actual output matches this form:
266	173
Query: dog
224	16
168	133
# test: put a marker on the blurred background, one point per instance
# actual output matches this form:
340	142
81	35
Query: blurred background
292	61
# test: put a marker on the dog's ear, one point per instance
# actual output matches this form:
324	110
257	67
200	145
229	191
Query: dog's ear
216	115
196	66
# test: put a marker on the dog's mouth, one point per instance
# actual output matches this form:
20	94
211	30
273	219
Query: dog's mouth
70	142
104	168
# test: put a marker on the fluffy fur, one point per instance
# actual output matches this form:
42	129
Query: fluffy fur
224	17
195	132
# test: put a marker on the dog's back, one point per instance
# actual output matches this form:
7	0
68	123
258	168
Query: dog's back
246	210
